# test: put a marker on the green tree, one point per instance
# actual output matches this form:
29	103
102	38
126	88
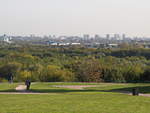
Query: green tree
10	70
89	70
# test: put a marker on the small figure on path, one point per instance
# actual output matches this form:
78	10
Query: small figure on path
135	91
28	83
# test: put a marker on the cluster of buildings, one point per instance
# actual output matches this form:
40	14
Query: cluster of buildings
5	38
96	41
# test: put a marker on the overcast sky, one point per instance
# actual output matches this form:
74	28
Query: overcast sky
74	17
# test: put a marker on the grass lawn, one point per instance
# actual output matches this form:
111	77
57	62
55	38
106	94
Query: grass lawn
6	87
103	99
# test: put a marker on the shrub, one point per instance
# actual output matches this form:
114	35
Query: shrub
54	73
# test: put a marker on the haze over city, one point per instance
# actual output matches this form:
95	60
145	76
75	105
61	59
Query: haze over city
74	17
74	56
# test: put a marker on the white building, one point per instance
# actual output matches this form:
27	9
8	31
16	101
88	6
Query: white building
6	38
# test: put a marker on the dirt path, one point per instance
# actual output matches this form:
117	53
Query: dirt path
75	86
28	93
21	88
140	94
81	87
145	95
129	93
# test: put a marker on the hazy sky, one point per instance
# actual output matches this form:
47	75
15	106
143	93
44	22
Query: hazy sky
74	17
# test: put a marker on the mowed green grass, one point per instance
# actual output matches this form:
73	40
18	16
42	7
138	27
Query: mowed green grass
106	98
7	87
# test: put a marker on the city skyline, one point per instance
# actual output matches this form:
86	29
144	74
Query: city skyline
75	17
88	36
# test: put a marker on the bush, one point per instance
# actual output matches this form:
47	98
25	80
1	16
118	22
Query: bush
146	75
54	73
3	80
113	75
89	70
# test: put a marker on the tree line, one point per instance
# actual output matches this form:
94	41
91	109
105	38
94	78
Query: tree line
73	64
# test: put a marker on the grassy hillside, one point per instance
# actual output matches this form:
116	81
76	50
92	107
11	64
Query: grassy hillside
105	98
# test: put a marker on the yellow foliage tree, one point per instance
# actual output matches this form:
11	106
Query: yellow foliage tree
24	75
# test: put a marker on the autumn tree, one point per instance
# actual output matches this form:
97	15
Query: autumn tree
89	71
10	70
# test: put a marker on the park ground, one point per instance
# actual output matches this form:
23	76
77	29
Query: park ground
74	98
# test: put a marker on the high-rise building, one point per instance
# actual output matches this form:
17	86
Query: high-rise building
86	36
97	36
117	36
32	35
123	36
108	36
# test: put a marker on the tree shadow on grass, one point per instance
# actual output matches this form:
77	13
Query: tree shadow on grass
142	89
8	90
60	90
57	90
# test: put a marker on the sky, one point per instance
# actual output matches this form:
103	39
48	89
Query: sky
75	17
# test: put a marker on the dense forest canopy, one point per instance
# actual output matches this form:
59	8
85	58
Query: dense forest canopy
79	64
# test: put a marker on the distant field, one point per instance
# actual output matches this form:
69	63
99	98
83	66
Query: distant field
105	98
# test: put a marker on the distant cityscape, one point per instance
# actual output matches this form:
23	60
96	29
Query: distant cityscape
97	41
